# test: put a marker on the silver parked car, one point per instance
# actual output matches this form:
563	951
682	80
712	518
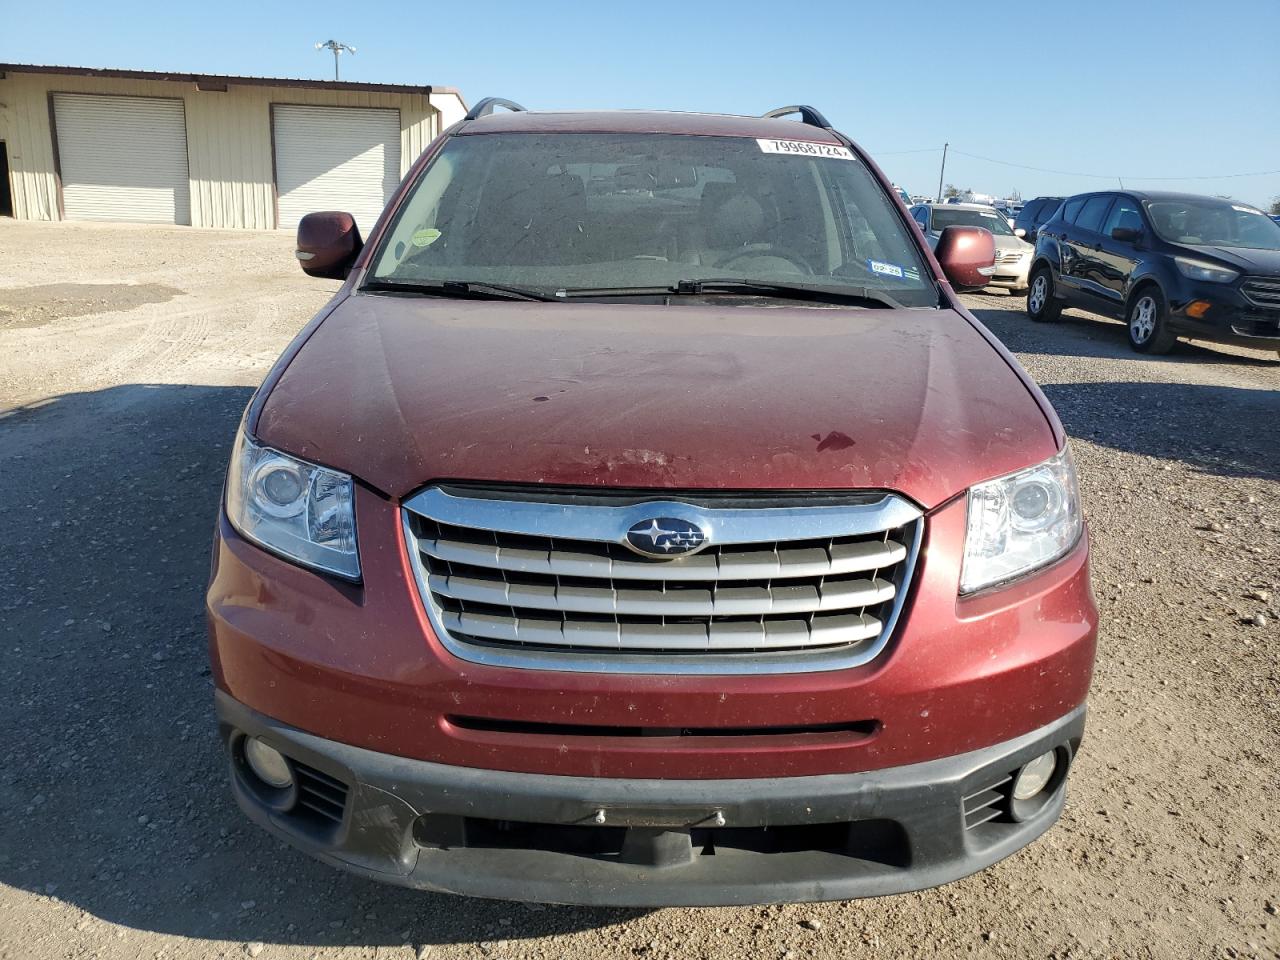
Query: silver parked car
1013	254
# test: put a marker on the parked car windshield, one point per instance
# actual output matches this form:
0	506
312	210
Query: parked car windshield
1213	223
990	219
548	212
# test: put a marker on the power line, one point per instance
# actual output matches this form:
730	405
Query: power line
1101	176
897	153
1069	173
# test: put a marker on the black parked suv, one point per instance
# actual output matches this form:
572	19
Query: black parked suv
1168	264
1034	214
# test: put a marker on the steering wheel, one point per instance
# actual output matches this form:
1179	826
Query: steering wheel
766	250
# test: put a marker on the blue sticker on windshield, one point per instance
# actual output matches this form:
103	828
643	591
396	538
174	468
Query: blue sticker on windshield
885	269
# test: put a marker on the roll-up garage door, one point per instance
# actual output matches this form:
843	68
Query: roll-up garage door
335	158
122	158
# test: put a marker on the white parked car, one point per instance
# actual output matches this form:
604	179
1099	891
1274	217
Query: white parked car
1013	254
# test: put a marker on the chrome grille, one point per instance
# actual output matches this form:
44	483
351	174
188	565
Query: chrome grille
544	580
1008	256
1264	291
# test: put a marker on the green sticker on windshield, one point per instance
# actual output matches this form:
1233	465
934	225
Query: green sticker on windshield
425	238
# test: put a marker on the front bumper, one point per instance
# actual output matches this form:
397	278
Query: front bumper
1012	275
650	842
1232	317
360	664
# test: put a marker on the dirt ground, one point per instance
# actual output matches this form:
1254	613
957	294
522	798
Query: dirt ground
126	357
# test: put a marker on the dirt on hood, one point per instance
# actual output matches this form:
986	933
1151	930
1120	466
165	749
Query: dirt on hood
403	391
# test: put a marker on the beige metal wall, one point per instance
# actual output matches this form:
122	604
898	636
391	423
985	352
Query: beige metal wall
228	139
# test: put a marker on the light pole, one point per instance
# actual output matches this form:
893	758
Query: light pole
338	49
943	172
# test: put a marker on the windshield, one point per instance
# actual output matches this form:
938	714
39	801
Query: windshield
1213	223
990	219
547	212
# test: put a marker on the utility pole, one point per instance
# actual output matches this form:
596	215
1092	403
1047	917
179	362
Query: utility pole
338	49
943	172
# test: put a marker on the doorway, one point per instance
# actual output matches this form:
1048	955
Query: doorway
6	196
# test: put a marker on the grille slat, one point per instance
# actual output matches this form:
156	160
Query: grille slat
322	807
320	793
986	804
717	635
687	602
842	558
335	795
1264	291
548	583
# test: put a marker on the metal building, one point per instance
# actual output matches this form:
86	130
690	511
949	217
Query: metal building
211	151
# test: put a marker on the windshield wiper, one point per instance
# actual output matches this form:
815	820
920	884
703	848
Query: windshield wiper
735	285
467	289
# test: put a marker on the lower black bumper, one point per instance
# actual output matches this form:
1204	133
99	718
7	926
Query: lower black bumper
1230	320
581	840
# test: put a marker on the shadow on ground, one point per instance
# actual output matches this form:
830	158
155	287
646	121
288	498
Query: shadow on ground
1081	334
1179	422
113	781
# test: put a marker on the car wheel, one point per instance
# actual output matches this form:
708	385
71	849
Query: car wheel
1041	306
1149	322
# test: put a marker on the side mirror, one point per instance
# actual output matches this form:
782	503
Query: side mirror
328	244
967	256
1126	234
1020	233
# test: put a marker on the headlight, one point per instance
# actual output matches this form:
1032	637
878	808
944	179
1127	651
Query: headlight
293	508
1209	272
1021	521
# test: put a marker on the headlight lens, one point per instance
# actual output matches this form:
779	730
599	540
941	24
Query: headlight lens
1021	521
1209	272
293	508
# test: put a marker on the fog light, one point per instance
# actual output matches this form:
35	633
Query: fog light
1198	309
1035	776
267	763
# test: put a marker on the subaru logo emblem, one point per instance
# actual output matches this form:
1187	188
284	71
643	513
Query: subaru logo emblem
665	537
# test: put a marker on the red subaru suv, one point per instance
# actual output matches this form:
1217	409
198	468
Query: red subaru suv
646	522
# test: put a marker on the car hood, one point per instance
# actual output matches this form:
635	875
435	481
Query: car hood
1012	243
402	391
1249	260
1002	242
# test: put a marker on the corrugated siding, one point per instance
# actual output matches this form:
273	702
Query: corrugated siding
228	140
229	152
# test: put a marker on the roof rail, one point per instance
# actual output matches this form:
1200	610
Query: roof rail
807	115
487	105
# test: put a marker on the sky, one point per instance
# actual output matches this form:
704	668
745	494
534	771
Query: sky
1163	94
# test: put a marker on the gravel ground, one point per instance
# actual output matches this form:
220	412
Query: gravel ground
126	356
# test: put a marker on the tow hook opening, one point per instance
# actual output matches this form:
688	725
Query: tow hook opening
880	841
